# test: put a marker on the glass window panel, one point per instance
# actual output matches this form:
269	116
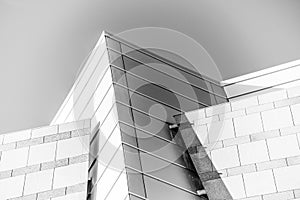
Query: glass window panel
166	171
221	100
219	90
151	125
162	94
119	76
155	108
135	182
115	59
124	114
113	44
132	197
159	147
132	157
160	191
122	94
128	134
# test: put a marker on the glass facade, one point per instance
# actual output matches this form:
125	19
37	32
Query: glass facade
133	152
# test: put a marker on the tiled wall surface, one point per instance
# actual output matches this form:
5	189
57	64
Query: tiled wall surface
254	143
45	163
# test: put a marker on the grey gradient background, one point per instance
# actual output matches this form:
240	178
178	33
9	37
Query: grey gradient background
43	42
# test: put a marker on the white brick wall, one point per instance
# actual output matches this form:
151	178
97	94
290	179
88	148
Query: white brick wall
254	142
44	163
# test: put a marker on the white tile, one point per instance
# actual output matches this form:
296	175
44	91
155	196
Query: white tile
15	158
1	138
272	96
17	136
202	134
287	178
43	131
218	109
220	130
74	196
249	124
38	182
244	103
293	92
296	113
235	186
283	147
225	158
253	152
70	175
72	147
277	118
11	187
259	183
42	153
195	115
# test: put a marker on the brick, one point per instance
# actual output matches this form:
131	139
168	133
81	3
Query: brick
253	198
79	159
13	187
43	131
277	118
264	135
249	124
76	188
253	152
279	196
286	178
272	96
17	136
25	170
51	194
42	153
81	132
225	158
271	164
74	126
54	164
217	109
233	114
5	174
283	147
6	147
30	142
259	183
293	160
259	108
241	170
220	130
290	130
287	102
38	182
56	137
236	141
27	197
296	113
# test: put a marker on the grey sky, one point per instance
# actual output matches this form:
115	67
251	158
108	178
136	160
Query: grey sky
42	43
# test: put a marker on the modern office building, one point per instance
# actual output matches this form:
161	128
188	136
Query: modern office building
138	126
